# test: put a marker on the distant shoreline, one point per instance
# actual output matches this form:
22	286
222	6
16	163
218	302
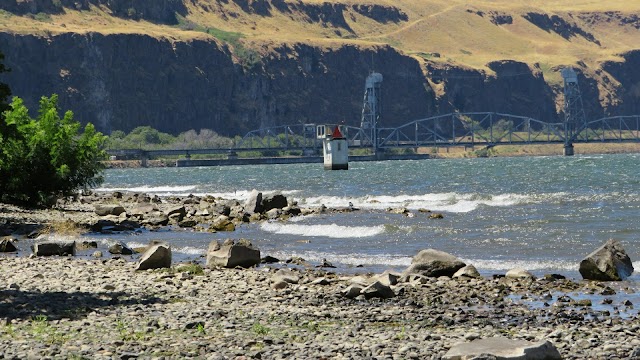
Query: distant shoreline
454	153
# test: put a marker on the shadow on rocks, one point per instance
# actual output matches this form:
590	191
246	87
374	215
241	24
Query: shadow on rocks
17	304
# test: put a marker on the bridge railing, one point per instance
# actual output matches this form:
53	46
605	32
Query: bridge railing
473	128
611	129
284	137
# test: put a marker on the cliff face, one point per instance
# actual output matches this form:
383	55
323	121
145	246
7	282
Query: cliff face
123	81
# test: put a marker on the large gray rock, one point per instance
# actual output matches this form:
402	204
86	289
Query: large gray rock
155	257
468	271
353	291
178	212
231	254
283	277
222	223
608	263
378	290
156	219
106	209
8	245
254	202
54	248
274	201
120	248
520	274
434	263
501	348
143	209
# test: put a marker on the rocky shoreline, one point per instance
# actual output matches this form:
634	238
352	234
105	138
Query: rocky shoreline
66	307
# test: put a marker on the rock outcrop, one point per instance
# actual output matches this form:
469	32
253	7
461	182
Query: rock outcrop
54	248
157	256
503	348
434	263
231	254
607	263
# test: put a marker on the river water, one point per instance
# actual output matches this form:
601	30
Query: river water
543	214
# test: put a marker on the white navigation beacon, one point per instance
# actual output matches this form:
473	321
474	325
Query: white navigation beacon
334	146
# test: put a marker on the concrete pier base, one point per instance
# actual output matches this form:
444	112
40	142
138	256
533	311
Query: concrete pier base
568	150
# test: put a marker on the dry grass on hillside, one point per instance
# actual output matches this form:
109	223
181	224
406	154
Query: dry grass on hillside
458	31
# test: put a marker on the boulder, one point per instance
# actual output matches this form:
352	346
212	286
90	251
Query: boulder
254	202
388	278
8	245
352	291
155	257
286	275
434	263
269	260
273	214
178	212
221	209
274	201
519	274
143	209
468	271
222	223
52	248
378	290
608	263
231	254
156	219
503	349
103	224
120	248
107	209
86	245
283	277
187	223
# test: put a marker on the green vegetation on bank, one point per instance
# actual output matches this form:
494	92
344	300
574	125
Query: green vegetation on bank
148	138
45	158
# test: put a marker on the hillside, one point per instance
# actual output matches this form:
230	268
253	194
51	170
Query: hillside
241	64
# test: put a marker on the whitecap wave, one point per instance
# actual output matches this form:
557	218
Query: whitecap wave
189	250
331	230
446	202
531	265
168	190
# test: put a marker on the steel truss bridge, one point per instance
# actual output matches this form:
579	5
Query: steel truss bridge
473	129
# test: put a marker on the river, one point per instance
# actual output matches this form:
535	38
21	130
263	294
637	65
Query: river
543	214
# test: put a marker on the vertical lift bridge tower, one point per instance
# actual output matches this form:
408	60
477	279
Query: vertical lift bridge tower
574	118
371	110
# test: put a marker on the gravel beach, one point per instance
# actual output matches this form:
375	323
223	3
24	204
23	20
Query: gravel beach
102	308
70	308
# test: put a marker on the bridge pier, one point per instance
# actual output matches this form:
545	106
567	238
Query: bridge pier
143	160
568	149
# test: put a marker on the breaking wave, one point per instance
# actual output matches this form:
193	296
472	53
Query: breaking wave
331	230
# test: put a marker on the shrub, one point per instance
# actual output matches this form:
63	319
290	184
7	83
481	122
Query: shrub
46	158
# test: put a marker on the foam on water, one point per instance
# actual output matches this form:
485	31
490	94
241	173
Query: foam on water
331	230
133	244
532	265
189	250
165	190
446	202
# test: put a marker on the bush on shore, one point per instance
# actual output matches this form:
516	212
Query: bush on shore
46	158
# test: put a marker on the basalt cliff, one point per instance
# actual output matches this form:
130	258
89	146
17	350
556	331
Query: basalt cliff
238	65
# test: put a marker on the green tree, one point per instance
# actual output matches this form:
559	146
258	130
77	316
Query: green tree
46	158
5	92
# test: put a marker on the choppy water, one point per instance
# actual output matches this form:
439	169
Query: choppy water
543	214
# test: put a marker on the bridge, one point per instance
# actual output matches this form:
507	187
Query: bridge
475	129
471	129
